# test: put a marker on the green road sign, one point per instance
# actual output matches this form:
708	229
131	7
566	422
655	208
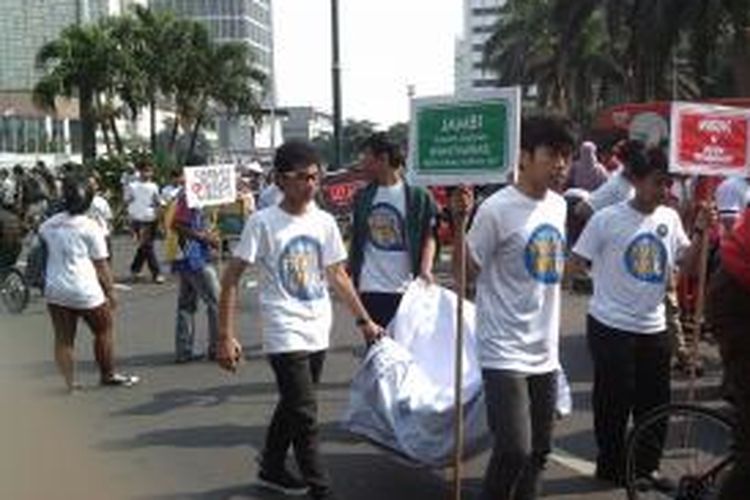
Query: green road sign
471	139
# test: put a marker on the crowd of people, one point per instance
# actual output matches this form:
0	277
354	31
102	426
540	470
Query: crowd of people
635	230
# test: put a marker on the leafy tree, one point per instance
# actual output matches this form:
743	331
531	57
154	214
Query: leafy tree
353	135
77	64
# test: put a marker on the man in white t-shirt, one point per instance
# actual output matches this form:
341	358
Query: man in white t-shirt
101	213
515	249
79	283
732	197
393	227
144	202
270	196
633	248
299	252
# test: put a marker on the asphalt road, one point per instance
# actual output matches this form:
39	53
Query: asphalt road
193	432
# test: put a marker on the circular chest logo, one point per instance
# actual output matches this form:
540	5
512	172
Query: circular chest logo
544	254
386	228
662	230
301	268
646	259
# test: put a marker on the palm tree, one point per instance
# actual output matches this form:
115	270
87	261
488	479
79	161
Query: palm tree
531	46
76	64
156	43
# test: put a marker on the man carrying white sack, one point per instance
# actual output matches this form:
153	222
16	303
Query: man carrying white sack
516	249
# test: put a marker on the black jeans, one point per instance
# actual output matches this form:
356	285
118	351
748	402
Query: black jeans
631	376
145	232
520	414
380	306
294	421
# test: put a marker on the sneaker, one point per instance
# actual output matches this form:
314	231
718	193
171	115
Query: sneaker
120	380
159	279
282	482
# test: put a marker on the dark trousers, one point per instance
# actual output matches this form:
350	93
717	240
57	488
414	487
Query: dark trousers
294	421
520	414
729	313
381	307
145	232
631	377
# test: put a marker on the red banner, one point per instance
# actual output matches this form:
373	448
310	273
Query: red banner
710	140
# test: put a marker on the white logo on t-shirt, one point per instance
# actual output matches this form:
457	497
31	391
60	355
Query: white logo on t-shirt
386	228
300	268
544	254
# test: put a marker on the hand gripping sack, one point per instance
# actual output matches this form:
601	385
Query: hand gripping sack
402	396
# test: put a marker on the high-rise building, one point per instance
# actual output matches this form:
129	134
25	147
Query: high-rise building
480	19
249	22
25	26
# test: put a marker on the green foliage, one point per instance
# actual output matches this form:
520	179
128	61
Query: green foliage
353	135
120	65
585	54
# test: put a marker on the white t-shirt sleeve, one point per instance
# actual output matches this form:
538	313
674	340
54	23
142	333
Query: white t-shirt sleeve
589	242
251	245
96	242
483	235
334	250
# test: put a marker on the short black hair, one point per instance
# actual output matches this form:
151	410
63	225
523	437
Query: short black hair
553	131
379	143
295	155
77	193
642	162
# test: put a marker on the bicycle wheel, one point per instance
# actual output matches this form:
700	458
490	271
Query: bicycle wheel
13	290
690	447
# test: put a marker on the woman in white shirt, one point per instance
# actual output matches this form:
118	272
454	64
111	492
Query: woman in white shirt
79	284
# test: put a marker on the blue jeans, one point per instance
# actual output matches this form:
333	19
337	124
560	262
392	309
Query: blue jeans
194	284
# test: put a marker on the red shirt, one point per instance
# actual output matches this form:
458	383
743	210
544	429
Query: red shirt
735	251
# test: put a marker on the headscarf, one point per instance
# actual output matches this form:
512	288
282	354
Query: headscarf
587	173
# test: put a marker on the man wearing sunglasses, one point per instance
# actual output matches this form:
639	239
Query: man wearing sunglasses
299	252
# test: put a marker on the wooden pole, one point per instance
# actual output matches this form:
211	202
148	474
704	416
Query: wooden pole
698	315
458	381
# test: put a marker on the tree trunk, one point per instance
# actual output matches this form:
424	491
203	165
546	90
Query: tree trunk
102	120
118	140
88	123
152	105
194	136
173	135
741	63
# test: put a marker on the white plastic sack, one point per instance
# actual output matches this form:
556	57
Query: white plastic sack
402	396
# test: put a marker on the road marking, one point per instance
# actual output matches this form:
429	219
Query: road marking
251	284
580	465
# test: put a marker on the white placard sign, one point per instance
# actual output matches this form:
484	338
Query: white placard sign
210	185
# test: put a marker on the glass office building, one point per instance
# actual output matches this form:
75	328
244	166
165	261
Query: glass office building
246	21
